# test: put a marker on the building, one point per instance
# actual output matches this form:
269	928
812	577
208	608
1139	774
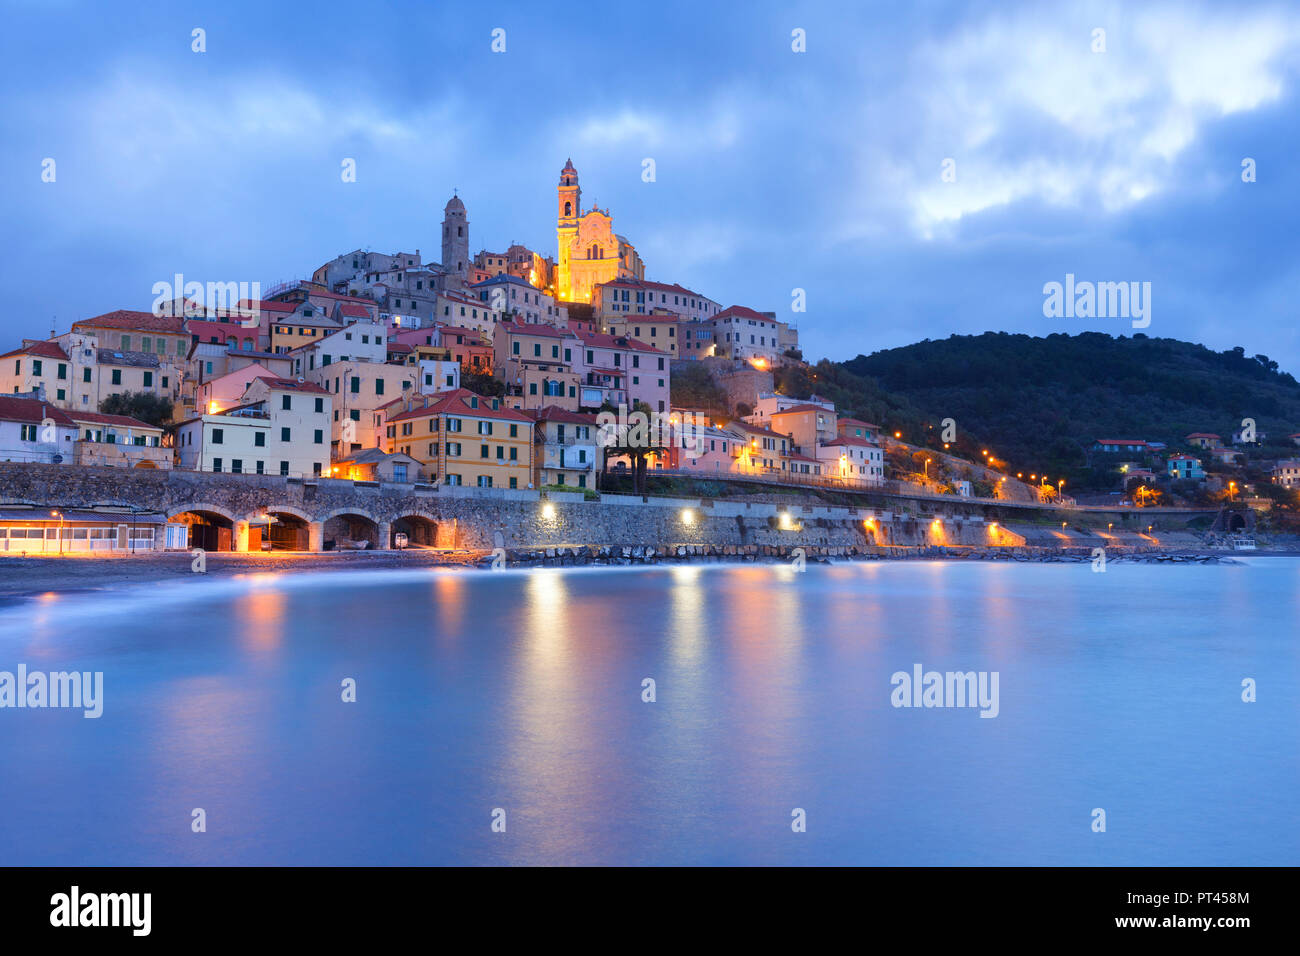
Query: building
536	363
40	530
1184	466
618	370
35	366
374	464
742	333
119	441
856	428
32	429
510	296
280	427
566	450
358	388
467	312
1227	456
627	296
658	330
807	424
1205	440
455	238
127	330
1112	446
306	324
462	438
852	460
762	451
589	252
1287	473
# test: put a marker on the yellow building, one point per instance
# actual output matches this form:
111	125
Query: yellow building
461	438
589	251
302	328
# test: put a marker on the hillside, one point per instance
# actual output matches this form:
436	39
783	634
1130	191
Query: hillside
1039	403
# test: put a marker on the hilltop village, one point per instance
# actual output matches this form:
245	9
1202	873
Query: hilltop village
496	370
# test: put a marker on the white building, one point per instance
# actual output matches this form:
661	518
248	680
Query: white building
34	430
742	333
852	460
281	428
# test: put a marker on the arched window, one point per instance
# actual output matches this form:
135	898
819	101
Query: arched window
595	252
568	209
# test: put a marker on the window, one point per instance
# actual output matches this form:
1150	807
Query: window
259	439
85	375
27	432
218	436
318	437
379	386
320	405
483	451
216	464
284	434
284	468
148	379
356	385
260	464
237	466
286	402
117	376
63	370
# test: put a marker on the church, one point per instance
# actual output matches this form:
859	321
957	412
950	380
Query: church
589	250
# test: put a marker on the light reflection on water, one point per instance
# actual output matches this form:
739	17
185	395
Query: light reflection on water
522	690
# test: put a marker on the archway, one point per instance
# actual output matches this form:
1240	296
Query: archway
288	530
1236	522
145	464
209	529
351	531
421	531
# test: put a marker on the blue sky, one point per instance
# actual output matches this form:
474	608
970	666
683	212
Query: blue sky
775	170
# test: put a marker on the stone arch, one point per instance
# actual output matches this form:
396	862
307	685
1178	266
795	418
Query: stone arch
291	529
211	527
419	526
351	529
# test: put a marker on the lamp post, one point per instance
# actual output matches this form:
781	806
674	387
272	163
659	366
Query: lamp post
59	514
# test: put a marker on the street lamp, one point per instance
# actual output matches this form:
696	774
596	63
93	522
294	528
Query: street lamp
927	467
59	514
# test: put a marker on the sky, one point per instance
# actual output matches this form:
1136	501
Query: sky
917	170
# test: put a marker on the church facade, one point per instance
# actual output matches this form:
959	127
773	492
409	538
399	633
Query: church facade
590	252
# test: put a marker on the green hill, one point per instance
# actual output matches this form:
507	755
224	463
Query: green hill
1039	403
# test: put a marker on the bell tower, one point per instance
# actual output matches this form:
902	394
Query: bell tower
455	238
568	211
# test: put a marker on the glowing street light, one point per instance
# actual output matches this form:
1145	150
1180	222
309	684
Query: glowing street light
688	516
548	511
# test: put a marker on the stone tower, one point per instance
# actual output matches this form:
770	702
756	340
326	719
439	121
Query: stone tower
455	238
568	211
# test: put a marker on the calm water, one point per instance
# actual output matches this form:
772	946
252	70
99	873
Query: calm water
523	691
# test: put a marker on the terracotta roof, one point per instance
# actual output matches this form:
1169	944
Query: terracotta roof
134	321
602	341
354	311
457	403
40	350
266	305
15	408
857	421
1119	441
659	286
524	328
800	409
1202	435
124	420
850	440
741	312
291	385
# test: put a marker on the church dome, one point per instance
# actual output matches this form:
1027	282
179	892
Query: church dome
454	205
568	168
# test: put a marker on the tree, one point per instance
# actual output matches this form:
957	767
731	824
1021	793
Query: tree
153	409
482	383
633	439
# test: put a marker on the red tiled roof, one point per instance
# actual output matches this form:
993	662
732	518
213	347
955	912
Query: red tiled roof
292	385
124	420
1203	435
15	408
850	440
800	409
741	312
354	311
267	305
134	321
1119	441
660	286
457	403
857	421
525	328
602	341
40	350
